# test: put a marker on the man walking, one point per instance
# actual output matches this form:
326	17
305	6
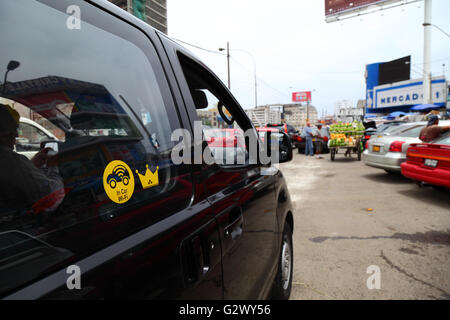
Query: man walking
308	134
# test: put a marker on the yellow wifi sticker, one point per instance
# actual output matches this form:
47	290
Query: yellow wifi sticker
118	181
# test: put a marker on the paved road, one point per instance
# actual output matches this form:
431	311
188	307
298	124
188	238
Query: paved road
407	233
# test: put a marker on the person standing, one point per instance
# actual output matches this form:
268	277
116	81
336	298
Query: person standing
308	134
318	142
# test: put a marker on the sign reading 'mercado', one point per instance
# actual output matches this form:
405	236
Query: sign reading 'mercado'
408	92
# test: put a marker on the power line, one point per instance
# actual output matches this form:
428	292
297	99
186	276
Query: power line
261	80
440	30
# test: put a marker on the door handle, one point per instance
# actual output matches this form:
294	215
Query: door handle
235	228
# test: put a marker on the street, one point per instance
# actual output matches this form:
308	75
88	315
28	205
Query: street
349	216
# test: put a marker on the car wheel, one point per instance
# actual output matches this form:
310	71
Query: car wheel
392	172
282	286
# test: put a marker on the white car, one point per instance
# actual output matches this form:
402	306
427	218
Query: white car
388	152
30	136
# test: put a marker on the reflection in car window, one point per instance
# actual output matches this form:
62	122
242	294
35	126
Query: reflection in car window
102	94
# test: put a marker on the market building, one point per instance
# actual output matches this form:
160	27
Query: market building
389	88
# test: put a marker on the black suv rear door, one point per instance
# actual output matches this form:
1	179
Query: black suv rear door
243	199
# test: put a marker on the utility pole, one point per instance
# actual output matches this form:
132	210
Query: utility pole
427	53
254	68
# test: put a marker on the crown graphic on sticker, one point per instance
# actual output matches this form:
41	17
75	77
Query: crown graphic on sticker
150	179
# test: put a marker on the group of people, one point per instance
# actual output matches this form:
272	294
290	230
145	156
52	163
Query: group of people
309	133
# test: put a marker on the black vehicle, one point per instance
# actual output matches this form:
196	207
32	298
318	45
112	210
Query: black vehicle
283	127
286	128
112	88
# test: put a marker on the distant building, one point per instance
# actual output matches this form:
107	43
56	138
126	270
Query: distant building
154	12
293	114
345	112
297	114
260	116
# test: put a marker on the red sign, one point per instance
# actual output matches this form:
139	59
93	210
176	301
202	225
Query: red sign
303	96
336	6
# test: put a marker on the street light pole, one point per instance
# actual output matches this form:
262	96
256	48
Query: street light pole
427	53
254	68
228	62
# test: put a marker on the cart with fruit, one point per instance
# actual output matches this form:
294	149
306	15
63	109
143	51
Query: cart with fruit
346	136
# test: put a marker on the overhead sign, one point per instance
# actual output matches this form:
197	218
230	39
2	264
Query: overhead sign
303	96
406	93
333	7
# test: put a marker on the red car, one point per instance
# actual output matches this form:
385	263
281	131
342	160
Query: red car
429	162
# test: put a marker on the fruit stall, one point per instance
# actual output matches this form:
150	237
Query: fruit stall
346	136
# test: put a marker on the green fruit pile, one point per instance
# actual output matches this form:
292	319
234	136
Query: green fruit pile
355	129
337	143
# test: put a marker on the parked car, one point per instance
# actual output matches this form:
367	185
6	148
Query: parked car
429	162
282	139
226	143
389	152
119	91
286	128
389	125
30	136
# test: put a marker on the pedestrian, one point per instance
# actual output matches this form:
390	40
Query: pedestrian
318	142
308	134
432	130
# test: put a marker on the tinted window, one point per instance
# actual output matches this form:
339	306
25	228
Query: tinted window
105	96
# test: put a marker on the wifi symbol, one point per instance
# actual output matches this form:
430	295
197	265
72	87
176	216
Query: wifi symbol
119	174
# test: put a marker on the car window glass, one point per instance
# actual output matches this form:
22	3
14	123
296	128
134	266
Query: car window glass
99	94
225	141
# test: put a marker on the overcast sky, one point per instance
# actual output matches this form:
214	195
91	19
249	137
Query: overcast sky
294	49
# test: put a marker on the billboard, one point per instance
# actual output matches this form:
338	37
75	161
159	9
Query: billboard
407	93
394	71
303	96
333	7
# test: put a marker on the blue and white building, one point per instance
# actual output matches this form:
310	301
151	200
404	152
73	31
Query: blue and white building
402	95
